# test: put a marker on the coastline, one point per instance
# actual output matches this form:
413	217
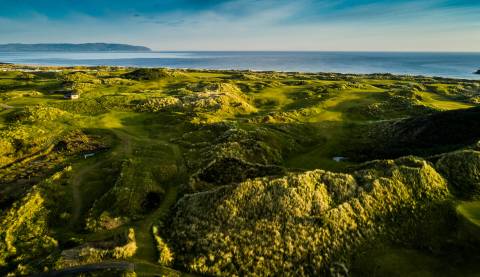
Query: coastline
4	66
447	65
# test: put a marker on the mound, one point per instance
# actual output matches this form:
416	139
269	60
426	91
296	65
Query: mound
26	238
242	146
121	247
396	103
299	224
135	192
78	142
159	104
39	113
151	74
228	170
217	98
462	170
26	235
20	93
80	77
18	141
423	135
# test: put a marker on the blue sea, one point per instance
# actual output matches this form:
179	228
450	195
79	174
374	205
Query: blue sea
455	65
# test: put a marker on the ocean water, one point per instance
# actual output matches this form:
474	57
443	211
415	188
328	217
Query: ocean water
455	65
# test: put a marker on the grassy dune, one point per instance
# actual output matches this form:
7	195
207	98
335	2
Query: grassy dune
194	171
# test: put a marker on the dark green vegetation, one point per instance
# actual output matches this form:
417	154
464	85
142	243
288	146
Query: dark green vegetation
170	172
69	47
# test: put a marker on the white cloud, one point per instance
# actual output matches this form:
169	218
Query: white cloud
414	26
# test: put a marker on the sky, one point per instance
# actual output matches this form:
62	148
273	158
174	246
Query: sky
283	25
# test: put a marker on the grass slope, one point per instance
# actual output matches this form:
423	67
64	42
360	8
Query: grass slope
163	137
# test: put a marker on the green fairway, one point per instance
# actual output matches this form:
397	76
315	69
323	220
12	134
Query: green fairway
471	211
398	261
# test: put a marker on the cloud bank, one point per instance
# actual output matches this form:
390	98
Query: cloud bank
342	25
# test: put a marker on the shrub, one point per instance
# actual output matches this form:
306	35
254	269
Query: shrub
127	250
19	140
165	255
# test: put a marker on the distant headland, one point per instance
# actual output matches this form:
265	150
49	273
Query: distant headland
70	47
477	72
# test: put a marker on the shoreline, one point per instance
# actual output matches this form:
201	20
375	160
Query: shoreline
454	65
5	66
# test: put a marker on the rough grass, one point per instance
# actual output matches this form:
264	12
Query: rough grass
173	132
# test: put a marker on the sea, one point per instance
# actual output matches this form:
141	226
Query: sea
447	64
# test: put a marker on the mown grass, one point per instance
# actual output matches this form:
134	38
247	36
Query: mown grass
471	211
442	102
331	142
392	260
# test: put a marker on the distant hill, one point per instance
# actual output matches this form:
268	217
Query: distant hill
70	47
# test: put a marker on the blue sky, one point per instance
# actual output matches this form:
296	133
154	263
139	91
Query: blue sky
395	25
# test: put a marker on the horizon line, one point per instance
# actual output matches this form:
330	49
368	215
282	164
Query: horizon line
248	50
298	50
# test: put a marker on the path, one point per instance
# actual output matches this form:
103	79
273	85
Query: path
129	139
146	244
115	265
76	181
5	106
124	147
